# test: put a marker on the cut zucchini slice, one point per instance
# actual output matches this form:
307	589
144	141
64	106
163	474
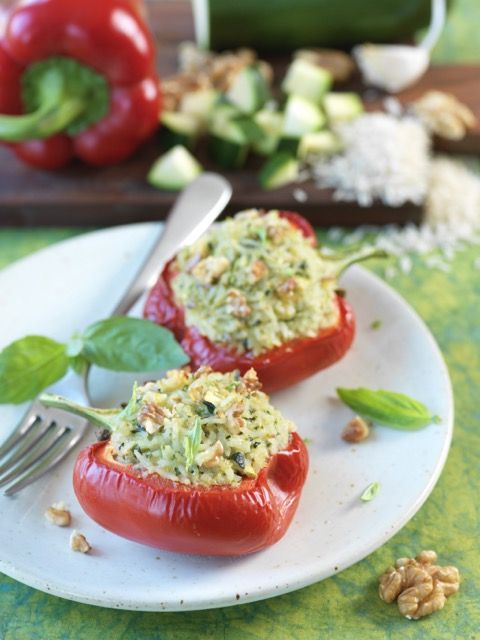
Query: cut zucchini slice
301	116
289	144
199	104
228	144
249	91
279	170
270	125
174	169
223	113
319	143
179	129
250	128
342	107
308	80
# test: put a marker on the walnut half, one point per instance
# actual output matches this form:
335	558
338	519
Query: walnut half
79	543
59	515
419	586
356	430
444	115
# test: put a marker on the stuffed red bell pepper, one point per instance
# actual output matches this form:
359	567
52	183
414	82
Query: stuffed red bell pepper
196	463
256	292
77	78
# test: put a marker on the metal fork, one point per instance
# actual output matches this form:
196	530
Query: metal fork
46	435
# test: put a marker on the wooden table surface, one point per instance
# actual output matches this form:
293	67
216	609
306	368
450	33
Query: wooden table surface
120	194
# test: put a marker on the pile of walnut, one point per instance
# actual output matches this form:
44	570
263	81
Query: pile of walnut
444	115
419	586
206	70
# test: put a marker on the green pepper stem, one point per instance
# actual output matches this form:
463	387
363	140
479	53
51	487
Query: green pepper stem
339	263
101	417
55	112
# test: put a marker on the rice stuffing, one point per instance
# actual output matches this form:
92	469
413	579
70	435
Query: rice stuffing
255	282
201	428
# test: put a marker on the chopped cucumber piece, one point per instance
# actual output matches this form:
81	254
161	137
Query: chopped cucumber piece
270	124
279	170
288	144
301	116
179	129
319	143
232	130
250	128
341	107
307	80
223	113
228	144
199	104
174	169
228	154
249	91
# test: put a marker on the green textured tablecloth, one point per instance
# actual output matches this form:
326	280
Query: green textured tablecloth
345	606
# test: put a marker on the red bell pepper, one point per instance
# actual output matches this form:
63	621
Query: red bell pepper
220	520
77	78
277	368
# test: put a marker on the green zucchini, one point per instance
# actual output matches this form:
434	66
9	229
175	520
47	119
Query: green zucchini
289	144
249	90
307	80
270	125
174	169
179	129
281	169
228	144
249	127
199	104
318	143
301	116
223	113
341	107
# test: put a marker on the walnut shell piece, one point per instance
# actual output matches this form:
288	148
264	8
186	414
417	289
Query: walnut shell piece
419	586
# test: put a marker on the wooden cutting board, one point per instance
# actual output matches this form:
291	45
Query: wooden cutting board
79	195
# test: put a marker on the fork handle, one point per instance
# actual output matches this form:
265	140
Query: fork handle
193	212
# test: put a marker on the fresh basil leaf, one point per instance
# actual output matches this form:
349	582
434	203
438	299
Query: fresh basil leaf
74	346
370	492
132	344
29	365
191	442
78	364
387	408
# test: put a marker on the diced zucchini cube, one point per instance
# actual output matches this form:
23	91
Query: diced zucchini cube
308	80
174	169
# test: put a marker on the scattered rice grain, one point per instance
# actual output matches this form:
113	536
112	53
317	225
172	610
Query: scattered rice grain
300	195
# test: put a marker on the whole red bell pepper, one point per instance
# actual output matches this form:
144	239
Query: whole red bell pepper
220	520
277	368
77	78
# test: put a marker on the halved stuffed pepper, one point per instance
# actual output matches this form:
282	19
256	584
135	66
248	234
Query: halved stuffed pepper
255	291
196	463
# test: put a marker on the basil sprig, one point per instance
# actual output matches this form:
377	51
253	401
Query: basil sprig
370	492
33	363
388	408
192	442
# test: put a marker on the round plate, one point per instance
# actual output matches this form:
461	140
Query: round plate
65	287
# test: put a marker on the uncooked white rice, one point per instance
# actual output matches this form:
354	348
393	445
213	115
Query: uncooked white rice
385	158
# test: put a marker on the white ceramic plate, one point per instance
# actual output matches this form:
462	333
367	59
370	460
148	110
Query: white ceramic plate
64	287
